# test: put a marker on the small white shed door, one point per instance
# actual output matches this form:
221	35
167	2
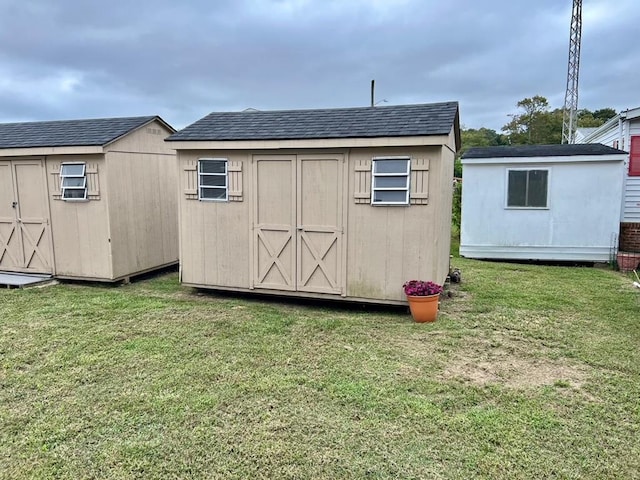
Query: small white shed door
298	222
25	236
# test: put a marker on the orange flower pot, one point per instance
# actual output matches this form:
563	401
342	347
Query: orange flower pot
424	308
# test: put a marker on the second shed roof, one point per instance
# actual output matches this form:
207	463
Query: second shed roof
363	122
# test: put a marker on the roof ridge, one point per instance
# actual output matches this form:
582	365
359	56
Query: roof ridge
79	120
334	109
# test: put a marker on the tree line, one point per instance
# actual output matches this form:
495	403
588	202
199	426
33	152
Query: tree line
534	123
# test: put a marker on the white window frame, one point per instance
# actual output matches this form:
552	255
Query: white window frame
525	169
203	174
64	188
374	175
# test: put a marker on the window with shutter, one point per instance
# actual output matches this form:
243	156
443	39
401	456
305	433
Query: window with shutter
73	181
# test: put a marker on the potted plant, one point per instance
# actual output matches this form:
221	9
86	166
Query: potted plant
423	299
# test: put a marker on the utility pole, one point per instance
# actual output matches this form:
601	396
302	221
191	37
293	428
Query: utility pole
569	115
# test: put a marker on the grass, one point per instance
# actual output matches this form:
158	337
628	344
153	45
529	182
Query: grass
530	372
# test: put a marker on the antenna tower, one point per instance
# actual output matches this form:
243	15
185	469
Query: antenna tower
569	116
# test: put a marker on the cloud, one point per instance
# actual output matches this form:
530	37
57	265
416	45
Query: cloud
73	58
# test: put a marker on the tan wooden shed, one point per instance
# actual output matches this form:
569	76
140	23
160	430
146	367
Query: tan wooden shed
87	199
336	203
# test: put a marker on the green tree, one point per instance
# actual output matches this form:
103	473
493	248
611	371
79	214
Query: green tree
537	124
531	124
480	137
587	118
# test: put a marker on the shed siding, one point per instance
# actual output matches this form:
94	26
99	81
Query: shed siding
631	202
632	188
80	229
214	236
608	137
388	245
142	200
148	139
579	223
384	245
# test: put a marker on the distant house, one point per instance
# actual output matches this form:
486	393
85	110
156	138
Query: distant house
583	132
623	132
541	202
87	199
345	204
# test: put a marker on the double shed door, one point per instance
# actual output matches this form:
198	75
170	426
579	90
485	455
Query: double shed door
25	234
298	220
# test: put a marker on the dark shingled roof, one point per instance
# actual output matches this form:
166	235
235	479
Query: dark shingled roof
67	133
385	121
541	151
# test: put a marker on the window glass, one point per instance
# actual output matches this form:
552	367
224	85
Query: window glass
537	192
74	194
392	196
213	193
517	188
391	166
212	179
73	181
390	181
527	188
72	170
212	166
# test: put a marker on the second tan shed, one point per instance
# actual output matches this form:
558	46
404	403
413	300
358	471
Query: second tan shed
338	203
87	199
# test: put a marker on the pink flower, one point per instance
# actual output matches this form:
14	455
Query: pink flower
421	288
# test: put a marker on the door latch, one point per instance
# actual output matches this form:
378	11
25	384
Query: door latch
14	204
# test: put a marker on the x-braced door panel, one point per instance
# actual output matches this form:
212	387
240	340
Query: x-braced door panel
25	237
320	199
274	217
298	216
10	246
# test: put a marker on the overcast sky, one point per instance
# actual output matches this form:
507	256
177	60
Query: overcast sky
63	59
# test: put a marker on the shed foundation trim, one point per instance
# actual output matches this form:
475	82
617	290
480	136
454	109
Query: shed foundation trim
283	293
551	253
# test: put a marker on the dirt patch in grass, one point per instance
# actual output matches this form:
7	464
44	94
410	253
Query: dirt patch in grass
512	372
507	360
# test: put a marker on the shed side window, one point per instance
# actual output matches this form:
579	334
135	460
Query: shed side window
634	157
212	179
527	188
390	181
73	181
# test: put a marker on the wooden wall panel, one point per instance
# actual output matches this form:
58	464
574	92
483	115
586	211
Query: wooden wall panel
146	139
388	245
143	210
215	236
80	230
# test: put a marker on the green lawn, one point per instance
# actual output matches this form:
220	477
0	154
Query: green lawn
530	372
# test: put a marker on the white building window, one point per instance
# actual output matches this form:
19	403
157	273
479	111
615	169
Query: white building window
73	181
212	179
390	181
527	188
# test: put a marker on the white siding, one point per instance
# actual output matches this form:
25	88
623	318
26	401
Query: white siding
630	211
579	224
631	208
